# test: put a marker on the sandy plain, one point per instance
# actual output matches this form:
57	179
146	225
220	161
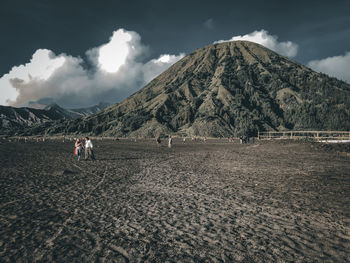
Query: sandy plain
271	201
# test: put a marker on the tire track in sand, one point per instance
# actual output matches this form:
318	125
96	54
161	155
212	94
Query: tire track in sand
49	243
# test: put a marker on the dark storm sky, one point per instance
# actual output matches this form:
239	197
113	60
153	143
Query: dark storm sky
38	35
320	28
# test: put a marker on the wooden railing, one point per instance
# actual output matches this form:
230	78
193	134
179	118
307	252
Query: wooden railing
316	135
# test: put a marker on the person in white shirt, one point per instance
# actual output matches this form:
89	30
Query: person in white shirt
170	142
89	149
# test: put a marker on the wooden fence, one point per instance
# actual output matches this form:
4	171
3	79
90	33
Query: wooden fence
315	135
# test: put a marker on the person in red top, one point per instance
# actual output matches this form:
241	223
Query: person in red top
78	147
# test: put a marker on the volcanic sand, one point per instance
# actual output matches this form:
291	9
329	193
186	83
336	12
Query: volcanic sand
272	201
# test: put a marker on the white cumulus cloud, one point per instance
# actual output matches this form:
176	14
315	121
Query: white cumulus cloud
117	69
69	78
337	66
263	37
112	55
157	66
41	66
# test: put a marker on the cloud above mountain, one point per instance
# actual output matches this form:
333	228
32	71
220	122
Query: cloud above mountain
337	66
116	69
263	37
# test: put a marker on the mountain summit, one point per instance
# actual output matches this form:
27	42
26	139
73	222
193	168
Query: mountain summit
226	89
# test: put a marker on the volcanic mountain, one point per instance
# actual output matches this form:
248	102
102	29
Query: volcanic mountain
225	89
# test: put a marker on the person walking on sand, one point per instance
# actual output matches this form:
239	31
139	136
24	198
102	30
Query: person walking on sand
89	149
158	140
170	142
78	148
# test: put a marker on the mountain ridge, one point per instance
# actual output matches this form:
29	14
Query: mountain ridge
14	120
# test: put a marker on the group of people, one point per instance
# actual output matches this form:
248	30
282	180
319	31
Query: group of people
242	139
170	141
245	139
86	144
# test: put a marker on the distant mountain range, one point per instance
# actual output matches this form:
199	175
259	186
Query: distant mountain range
226	89
77	113
16	120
